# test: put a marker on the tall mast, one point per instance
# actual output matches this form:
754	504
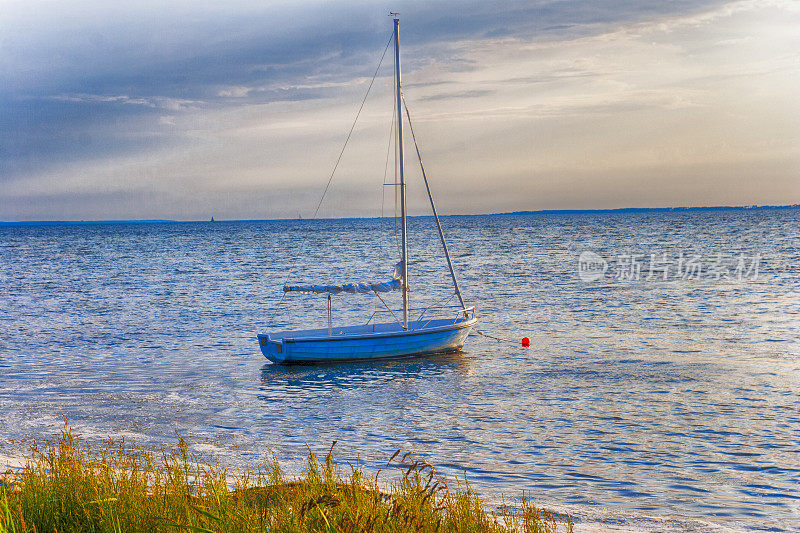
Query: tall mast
404	256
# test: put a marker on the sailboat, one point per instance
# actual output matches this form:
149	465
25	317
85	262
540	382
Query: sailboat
399	338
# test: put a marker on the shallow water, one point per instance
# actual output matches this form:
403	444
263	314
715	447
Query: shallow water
642	403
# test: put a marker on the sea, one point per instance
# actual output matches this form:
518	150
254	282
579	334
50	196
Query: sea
660	391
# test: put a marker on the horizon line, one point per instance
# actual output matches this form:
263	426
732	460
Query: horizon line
503	213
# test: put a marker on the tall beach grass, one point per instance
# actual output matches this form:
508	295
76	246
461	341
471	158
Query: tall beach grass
67	486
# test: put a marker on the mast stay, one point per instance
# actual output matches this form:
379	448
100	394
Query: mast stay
401	104
433	208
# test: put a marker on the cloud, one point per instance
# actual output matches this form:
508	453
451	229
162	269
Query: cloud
195	49
158	102
235	92
193	99
475	93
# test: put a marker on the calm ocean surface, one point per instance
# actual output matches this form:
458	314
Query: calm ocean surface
644	403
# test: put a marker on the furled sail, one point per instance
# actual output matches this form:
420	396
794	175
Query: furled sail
395	284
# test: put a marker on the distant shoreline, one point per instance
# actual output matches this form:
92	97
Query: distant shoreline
619	210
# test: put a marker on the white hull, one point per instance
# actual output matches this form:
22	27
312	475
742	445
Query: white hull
375	341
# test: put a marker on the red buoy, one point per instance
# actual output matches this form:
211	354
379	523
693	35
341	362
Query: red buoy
526	342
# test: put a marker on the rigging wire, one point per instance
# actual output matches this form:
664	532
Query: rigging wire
386	166
433	207
336	165
396	164
350	133
382	241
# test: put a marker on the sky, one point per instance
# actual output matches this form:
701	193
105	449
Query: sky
238	110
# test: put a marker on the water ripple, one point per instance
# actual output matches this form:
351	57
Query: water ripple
671	403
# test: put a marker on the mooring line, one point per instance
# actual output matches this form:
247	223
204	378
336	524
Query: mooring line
479	332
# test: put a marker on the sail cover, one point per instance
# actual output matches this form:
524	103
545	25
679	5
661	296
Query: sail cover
395	284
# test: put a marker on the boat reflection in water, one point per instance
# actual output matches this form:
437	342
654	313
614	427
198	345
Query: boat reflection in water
277	381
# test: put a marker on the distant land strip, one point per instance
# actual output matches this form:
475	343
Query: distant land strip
620	210
652	209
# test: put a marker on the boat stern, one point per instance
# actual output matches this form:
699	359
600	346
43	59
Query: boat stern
272	349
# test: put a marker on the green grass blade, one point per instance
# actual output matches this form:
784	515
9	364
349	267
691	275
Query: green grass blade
7	524
191	528
206	513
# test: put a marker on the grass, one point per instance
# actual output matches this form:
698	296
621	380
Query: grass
66	486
